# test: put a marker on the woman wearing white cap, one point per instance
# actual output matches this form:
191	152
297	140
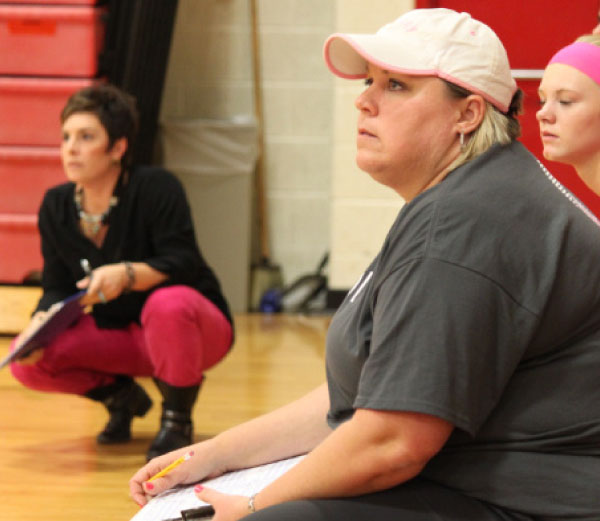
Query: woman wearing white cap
462	367
569	116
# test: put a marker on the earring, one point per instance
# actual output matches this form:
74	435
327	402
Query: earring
462	141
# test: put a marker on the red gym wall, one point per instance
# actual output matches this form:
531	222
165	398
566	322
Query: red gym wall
50	49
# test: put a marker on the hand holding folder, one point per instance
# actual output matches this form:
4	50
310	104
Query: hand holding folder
58	318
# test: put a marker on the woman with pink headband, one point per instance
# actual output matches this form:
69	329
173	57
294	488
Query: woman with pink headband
569	116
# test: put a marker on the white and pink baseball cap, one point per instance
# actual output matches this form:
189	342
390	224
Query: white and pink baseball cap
430	42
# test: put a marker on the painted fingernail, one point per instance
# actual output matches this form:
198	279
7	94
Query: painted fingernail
149	485
198	488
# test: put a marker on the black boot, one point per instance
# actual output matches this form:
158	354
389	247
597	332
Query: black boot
176	428
124	399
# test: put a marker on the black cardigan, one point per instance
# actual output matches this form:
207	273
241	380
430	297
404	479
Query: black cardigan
151	223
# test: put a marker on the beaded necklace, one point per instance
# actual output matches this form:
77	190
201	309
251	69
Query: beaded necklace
91	223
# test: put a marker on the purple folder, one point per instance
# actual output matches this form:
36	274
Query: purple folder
60	316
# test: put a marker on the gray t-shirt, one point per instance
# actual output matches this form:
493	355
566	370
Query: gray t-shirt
483	308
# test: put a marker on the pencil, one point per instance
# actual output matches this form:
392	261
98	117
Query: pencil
170	467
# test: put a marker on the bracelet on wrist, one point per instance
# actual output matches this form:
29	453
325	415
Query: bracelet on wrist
251	507
130	272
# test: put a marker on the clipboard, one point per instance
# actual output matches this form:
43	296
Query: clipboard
58	318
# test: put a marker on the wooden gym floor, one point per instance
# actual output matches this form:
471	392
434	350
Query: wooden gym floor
50	466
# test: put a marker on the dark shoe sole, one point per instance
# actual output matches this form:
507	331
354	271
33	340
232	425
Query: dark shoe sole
111	439
159	450
176	431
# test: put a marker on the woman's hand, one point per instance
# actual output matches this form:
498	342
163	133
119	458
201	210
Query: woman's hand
227	507
293	429
104	284
199	466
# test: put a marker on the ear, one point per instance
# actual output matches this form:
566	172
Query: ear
118	149
472	111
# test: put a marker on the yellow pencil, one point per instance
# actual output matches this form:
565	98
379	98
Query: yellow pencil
170	467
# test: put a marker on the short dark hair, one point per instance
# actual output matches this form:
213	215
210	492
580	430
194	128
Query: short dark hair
115	109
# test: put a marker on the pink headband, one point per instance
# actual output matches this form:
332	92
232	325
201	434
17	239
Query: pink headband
583	56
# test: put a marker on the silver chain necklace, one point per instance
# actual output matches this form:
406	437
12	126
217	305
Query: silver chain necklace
91	223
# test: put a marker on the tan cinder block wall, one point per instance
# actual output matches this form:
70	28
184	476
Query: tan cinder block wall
210	75
317	198
361	209
210	78
298	116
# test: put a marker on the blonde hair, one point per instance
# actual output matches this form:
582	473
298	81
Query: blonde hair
496	127
590	38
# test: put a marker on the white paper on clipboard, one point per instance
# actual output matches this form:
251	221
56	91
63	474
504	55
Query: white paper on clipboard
245	482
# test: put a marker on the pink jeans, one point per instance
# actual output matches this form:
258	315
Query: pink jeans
182	334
